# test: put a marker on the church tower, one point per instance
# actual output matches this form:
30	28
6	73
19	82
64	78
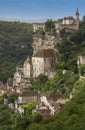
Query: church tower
77	15
77	18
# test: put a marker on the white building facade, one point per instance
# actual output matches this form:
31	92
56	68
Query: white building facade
42	61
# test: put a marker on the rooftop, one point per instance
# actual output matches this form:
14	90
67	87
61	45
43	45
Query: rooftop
45	53
69	18
28	93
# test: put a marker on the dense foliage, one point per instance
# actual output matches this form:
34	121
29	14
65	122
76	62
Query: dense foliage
62	83
49	26
15	46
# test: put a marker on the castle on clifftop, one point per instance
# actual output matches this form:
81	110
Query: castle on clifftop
69	23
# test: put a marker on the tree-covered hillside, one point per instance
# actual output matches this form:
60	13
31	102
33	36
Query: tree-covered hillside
15	46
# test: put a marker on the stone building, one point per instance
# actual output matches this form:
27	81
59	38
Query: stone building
37	26
27	96
44	56
69	23
24	98
42	61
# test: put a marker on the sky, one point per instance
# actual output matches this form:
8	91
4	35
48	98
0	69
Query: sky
39	10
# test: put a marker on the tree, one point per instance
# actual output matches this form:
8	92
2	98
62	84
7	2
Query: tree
39	82
37	118
12	98
82	70
50	26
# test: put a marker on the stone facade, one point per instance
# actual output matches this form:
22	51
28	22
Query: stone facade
42	61
27	68
27	96
49	41
24	98
37	26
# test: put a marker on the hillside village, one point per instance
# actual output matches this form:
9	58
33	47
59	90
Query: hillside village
42	61
44	52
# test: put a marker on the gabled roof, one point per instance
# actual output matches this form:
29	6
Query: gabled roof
68	18
45	53
28	93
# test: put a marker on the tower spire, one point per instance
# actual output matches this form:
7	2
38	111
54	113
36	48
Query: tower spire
77	15
77	12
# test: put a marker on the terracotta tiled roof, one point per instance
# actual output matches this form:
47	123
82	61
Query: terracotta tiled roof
45	53
28	93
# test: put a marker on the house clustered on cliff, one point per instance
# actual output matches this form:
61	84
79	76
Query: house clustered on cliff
44	52
44	56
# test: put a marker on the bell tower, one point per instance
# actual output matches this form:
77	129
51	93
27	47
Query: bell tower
77	19
77	15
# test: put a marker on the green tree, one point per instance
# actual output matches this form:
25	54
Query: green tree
82	70
12	98
50	26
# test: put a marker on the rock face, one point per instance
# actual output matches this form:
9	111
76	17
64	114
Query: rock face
49	41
